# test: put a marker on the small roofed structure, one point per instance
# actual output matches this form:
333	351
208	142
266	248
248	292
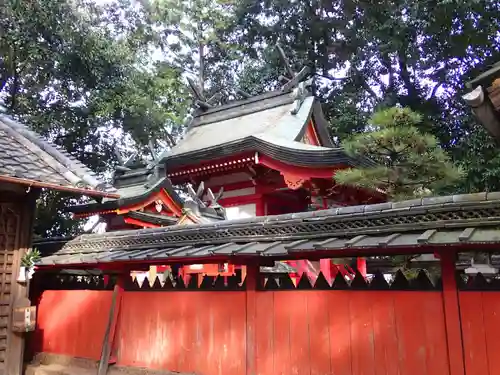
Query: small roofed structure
282	135
147	199
28	163
484	99
267	154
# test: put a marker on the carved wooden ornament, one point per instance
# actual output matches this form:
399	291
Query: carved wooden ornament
293	182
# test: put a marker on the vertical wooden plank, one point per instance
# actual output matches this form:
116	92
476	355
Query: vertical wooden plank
109	334
319	332
435	333
182	330
66	314
282	341
340	332
411	333
252	275
220	328
299	331
384	329
26	211
202	332
235	359
491	311
362	337
474	335
264	333
452	313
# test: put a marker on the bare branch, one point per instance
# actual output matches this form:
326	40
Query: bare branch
434	90
332	78
196	90
285	61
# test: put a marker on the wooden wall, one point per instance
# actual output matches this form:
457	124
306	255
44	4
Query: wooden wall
17	209
297	331
480	316
73	322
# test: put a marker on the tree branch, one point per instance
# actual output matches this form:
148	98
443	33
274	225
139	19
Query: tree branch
434	90
15	84
405	75
170	139
331	78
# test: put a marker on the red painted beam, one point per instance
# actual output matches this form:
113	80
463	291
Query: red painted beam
304	172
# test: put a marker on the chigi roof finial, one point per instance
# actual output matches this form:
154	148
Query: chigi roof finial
295	81
293	78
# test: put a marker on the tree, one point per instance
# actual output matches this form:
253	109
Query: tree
78	74
408	163
380	52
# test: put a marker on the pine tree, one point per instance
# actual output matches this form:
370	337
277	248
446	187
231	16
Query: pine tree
409	163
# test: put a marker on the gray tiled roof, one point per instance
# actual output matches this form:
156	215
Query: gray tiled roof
285	249
471	219
27	157
264	124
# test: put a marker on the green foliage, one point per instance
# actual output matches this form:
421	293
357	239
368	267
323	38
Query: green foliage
79	74
91	77
409	163
30	258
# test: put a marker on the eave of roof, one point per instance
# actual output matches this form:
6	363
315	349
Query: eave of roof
289	152
30	160
265	125
366	245
120	202
459	220
485	77
153	218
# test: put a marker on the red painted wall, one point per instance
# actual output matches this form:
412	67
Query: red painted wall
72	322
346	332
480	316
297	332
200	332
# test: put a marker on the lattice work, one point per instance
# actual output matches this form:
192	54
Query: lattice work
9	231
71	282
478	283
378	282
329	226
192	283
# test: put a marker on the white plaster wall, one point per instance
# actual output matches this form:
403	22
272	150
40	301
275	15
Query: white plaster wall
241	212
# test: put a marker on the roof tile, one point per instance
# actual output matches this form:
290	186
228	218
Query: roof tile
25	155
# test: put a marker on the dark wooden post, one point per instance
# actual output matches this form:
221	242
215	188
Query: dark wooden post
452	313
109	335
251	301
25	210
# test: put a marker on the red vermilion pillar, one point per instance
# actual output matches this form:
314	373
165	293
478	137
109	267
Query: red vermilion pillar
452	313
251	302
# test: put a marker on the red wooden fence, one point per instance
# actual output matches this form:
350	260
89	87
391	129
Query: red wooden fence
297	332
72	322
480	316
350	332
198	332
